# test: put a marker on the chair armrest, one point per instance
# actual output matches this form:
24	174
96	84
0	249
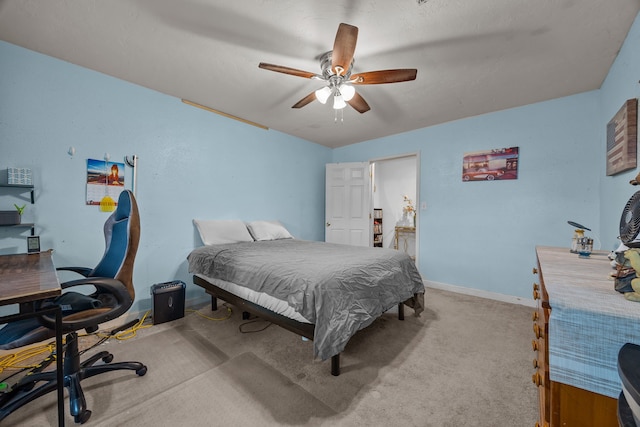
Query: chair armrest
93	317
103	285
83	271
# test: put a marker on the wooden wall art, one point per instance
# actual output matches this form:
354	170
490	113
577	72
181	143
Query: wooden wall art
622	137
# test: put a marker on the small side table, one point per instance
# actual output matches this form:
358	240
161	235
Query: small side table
403	235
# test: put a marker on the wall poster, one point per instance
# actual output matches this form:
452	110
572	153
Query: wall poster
104	180
622	136
490	165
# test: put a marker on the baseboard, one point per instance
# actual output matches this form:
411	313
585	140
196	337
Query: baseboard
480	293
190	304
199	302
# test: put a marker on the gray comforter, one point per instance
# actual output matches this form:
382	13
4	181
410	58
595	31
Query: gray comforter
339	288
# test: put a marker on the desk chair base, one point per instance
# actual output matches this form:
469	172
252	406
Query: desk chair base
74	372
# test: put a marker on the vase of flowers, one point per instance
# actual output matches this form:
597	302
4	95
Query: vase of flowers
409	211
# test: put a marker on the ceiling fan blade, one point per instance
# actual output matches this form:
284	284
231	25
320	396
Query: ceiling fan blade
343	48
384	76
286	70
358	103
306	100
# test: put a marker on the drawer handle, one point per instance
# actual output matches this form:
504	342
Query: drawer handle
535	270
535	316
534	344
537	330
537	379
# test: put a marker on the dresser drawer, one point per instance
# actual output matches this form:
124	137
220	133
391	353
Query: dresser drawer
562	404
539	344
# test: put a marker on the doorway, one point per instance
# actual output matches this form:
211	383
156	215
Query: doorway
395	178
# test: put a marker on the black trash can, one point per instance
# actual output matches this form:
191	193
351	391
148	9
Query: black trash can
167	301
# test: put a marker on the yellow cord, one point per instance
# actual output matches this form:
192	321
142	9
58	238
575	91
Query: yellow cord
128	333
13	360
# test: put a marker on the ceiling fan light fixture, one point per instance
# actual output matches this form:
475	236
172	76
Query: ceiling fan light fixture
338	102
347	91
323	94
337	66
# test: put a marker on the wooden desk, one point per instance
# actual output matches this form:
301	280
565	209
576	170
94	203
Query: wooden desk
27	277
24	279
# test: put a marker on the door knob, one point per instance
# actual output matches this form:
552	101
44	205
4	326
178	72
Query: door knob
328	224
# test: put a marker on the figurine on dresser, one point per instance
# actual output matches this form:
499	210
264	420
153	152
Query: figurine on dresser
627	264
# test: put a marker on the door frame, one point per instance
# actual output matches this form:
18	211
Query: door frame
416	155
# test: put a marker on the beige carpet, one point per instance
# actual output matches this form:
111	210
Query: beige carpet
465	362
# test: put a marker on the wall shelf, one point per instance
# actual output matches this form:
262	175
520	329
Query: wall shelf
23	187
30	225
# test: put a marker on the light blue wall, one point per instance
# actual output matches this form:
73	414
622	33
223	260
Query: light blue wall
192	164
622	83
195	164
482	234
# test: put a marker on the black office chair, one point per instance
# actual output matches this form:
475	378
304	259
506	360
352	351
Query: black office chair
112	279
629	399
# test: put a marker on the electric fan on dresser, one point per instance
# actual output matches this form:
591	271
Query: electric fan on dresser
630	222
628	370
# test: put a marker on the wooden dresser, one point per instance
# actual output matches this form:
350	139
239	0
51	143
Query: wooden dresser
579	325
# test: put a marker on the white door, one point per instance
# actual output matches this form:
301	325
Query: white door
348	203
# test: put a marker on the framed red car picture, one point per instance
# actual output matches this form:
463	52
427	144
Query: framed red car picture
490	165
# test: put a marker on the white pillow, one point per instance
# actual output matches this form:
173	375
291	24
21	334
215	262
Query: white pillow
268	230
217	232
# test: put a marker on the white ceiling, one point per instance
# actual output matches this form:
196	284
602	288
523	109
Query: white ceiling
472	56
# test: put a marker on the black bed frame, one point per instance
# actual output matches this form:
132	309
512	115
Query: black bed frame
304	329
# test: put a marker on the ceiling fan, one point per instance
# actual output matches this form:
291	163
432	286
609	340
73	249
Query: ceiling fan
336	66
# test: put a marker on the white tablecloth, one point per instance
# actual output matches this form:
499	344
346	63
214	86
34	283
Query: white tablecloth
589	320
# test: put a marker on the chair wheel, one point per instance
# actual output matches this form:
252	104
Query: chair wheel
140	372
83	417
108	358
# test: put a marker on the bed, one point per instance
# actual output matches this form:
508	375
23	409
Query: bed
322	291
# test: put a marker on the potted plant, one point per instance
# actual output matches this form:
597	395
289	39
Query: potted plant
20	209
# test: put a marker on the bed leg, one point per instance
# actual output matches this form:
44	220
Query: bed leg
214	303
335	365
401	311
